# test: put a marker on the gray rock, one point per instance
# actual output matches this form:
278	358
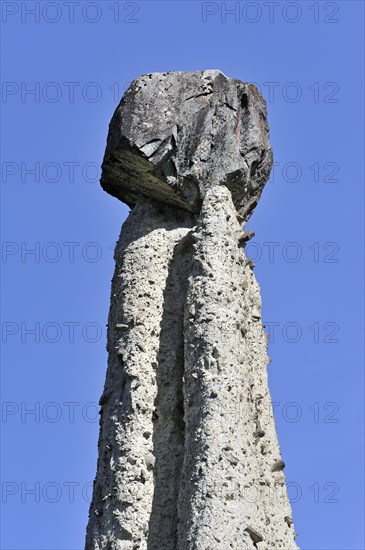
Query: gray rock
174	135
188	453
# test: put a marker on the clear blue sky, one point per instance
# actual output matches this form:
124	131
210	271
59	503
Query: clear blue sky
77	58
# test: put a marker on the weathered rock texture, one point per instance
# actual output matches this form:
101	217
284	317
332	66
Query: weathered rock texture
174	135
188	453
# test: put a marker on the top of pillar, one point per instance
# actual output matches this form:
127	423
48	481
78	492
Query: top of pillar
175	134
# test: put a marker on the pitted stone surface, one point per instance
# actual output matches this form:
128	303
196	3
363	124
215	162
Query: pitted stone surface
174	135
188	452
141	428
230	439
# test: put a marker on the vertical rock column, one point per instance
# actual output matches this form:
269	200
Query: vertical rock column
188	453
230	497
141	429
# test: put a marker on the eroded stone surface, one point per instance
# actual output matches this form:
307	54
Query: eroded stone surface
174	135
188	452
141	429
229	498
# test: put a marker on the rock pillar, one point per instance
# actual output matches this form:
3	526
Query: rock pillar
188	452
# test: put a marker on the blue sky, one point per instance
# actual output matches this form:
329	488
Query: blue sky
65	66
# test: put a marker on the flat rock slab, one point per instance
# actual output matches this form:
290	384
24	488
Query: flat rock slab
176	134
